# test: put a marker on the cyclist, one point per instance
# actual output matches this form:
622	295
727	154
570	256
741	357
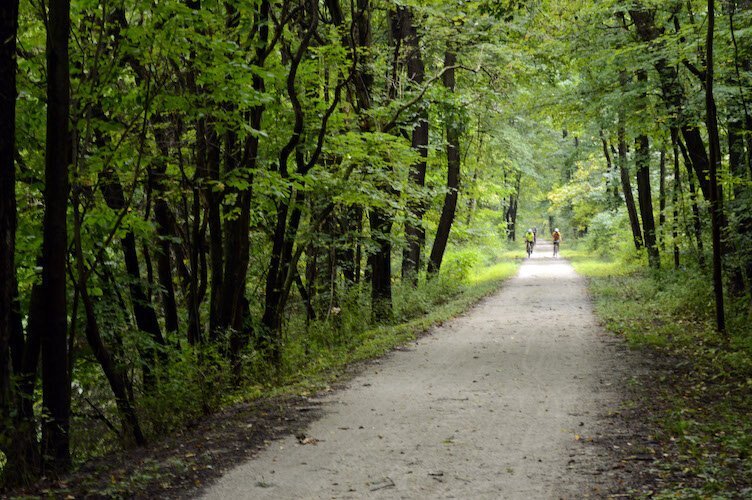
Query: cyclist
556	236
535	235
529	241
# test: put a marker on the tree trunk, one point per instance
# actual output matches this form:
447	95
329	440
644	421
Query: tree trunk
289	211
237	246
453	172
18	356
676	192
415	233
662	199
644	194
611	184
645	198
163	220
626	188
696	220
8	30
381	266
55	376
510	214
737	163
143	309
113	371
716	195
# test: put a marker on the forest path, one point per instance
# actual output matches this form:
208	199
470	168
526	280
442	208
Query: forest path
494	404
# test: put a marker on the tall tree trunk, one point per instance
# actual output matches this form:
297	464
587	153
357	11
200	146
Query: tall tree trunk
18	356
282	266
415	233
237	230
676	192
55	376
8	30
453	172
164	223
113	370
662	199
207	130
143	309
644	194
381	266
611	183
696	220
737	163
716	195
510	214
645	198
380	219
626	188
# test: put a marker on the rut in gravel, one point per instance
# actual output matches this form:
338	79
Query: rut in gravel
497	403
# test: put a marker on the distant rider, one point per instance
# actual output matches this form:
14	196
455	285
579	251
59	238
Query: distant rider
556	236
529	241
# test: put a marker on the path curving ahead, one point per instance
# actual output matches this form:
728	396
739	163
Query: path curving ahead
494	404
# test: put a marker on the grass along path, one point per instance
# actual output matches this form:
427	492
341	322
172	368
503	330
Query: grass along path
697	397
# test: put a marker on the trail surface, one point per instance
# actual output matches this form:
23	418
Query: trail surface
495	404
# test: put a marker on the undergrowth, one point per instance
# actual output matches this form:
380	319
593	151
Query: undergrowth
704	406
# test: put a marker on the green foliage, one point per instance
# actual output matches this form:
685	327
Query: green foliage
190	384
707	399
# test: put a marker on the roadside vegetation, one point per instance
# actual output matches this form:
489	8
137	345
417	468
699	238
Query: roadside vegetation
698	394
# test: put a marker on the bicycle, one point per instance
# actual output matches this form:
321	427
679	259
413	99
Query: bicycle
529	247
556	249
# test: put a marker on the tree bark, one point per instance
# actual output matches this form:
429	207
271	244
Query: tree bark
611	183
676	192
143	309
626	188
510	214
113	371
237	246
55	376
18	355
662	199
381	266
453	172
8	30
696	220
415	233
164	222
644	193
737	163
716	195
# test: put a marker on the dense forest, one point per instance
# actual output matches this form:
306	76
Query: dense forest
198	198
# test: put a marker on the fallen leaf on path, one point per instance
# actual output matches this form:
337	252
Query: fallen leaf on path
303	439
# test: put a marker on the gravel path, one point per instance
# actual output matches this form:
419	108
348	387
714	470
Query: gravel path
495	404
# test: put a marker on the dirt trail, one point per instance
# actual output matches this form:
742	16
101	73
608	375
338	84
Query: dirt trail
495	404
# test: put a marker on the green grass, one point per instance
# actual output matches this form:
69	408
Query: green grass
704	422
